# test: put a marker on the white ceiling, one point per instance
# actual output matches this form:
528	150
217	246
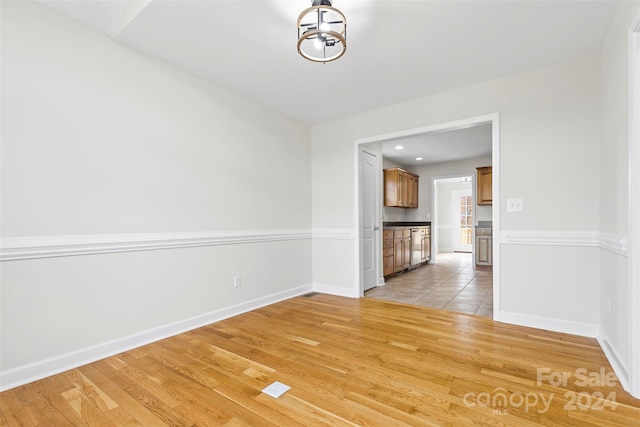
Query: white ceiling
439	147
397	50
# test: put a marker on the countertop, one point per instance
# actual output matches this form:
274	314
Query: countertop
390	224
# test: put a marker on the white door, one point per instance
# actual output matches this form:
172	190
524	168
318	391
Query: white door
462	220
369	228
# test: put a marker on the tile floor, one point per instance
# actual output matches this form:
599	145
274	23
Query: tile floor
451	283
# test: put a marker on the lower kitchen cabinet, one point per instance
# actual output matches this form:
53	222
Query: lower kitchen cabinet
484	255
387	252
401	249
426	244
397	248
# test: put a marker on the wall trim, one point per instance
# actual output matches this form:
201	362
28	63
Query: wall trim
333	233
613	242
613	357
549	323
44	368
19	248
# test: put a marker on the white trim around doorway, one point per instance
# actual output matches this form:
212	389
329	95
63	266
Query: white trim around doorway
633	260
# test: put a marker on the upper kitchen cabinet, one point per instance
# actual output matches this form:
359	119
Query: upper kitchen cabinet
484	186
400	188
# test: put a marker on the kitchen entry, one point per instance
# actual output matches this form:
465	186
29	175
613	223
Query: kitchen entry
467	145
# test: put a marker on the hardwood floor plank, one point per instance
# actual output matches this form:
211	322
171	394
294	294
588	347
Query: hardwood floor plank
162	413
14	412
102	374
349	362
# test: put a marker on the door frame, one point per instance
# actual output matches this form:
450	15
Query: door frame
633	250
494	120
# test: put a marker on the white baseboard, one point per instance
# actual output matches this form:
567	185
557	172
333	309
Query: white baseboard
44	368
614	358
336	290
575	328
548	323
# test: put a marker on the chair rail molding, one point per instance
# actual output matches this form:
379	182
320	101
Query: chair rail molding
20	248
613	242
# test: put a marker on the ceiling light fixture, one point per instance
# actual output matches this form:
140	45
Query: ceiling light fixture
322	32
399	147
419	158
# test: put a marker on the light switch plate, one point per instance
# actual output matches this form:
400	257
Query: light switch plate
515	205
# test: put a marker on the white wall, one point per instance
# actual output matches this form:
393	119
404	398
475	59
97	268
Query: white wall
99	140
614	172
549	139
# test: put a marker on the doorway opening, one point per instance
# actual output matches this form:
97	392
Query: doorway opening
453	214
427	212
462	210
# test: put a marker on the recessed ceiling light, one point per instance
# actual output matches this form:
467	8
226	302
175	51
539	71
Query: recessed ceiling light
419	158
399	147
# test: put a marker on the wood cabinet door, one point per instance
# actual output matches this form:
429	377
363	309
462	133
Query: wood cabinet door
485	180
426	247
394	187
412	191
387	265
402	188
398	255
483	250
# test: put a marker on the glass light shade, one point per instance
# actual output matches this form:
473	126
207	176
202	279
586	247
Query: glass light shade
322	33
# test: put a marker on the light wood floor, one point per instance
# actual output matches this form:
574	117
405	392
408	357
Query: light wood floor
349	362
450	283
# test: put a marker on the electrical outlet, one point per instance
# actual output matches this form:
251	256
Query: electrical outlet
515	205
237	281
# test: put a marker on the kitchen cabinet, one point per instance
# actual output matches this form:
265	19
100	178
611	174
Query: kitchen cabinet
484	255
400	188
411	196
426	245
484	181
401	249
387	252
398	246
